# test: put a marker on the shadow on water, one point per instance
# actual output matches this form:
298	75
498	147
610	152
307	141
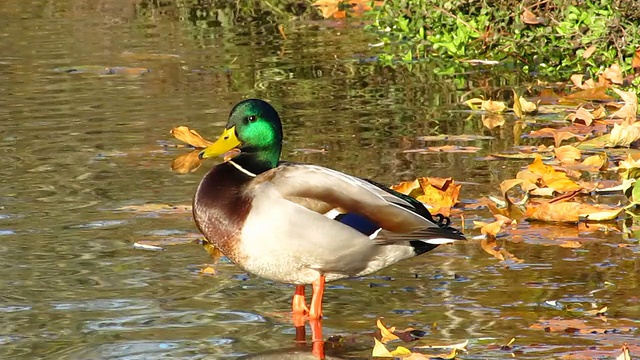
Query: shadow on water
80	147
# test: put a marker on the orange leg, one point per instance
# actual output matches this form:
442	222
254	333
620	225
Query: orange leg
300	309
316	300
316	336
298	304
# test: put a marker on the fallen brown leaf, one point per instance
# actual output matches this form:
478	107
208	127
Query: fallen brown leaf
190	137
597	93
558	135
568	154
588	52
583	115
613	74
630	108
529	17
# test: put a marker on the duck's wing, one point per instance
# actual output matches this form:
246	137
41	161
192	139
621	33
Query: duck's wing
400	217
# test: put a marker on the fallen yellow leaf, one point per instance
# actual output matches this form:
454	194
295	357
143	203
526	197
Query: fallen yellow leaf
379	350
569	211
625	354
492	229
386	333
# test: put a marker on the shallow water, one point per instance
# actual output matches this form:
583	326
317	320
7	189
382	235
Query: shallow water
78	146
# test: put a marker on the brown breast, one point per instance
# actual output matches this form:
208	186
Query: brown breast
221	206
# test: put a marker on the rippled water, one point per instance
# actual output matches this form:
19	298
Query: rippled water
77	147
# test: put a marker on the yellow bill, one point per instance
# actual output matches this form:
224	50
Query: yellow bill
227	141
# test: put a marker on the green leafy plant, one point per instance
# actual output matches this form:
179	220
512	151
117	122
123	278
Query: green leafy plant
547	38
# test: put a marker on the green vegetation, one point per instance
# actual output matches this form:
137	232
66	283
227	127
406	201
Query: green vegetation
548	38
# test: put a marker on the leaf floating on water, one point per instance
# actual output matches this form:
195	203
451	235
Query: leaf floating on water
547	177
386	333
598	93
486	105
624	135
190	136
597	312
581	115
558	135
570	211
439	194
492	229
625	354
568	154
629	168
379	350
522	106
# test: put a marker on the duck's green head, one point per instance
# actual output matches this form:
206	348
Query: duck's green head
255	129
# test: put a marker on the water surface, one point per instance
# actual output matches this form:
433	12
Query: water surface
80	141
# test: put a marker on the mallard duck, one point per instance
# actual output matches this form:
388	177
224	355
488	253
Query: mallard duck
303	224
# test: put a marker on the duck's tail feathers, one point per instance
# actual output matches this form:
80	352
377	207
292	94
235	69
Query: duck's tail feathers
430	235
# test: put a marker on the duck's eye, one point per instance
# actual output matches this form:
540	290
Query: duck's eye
252	118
